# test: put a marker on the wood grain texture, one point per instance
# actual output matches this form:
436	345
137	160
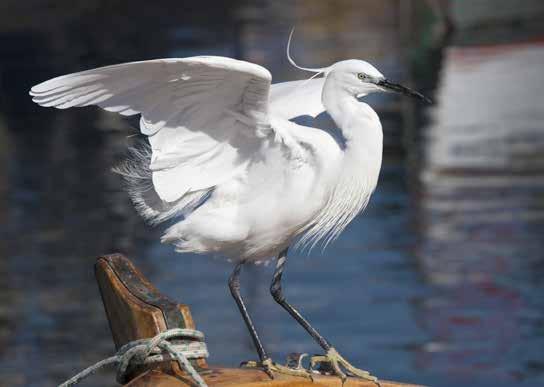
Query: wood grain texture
129	318
229	377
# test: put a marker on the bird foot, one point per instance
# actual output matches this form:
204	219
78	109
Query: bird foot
333	363
272	368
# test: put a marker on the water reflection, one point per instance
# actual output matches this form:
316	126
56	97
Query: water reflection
481	214
433	286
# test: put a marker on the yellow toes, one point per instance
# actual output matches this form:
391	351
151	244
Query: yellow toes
272	368
333	363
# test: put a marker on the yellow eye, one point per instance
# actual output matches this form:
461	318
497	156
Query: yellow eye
361	76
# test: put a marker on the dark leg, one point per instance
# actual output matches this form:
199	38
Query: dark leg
335	361
234	286
275	289
266	364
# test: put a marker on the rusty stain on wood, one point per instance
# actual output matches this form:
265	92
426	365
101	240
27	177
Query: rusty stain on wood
137	310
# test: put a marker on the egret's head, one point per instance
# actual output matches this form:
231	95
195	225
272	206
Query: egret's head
359	78
356	77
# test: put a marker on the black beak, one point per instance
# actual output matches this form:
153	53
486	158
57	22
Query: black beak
402	89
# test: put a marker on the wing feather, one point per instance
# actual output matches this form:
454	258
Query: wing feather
297	98
186	108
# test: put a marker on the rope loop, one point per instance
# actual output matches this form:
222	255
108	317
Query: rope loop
176	344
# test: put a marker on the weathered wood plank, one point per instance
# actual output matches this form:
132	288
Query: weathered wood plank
136	309
228	377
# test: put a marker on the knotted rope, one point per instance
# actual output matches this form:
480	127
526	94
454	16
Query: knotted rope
154	350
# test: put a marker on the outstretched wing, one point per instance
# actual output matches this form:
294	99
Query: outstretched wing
203	115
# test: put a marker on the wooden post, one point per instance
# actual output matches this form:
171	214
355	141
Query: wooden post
137	310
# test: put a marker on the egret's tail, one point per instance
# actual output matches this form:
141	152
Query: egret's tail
138	178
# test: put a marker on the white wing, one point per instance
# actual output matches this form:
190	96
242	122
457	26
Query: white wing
300	102
203	115
297	98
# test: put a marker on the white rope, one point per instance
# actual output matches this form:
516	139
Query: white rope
189	344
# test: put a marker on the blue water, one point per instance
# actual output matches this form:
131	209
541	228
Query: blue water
421	288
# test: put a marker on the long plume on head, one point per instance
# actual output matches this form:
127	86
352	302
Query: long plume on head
317	71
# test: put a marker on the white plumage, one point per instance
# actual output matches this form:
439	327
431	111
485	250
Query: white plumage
244	167
227	154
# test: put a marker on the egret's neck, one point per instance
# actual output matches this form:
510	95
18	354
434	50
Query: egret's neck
357	172
362	131
357	121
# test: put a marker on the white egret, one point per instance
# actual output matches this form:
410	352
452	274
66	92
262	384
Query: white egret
227	160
